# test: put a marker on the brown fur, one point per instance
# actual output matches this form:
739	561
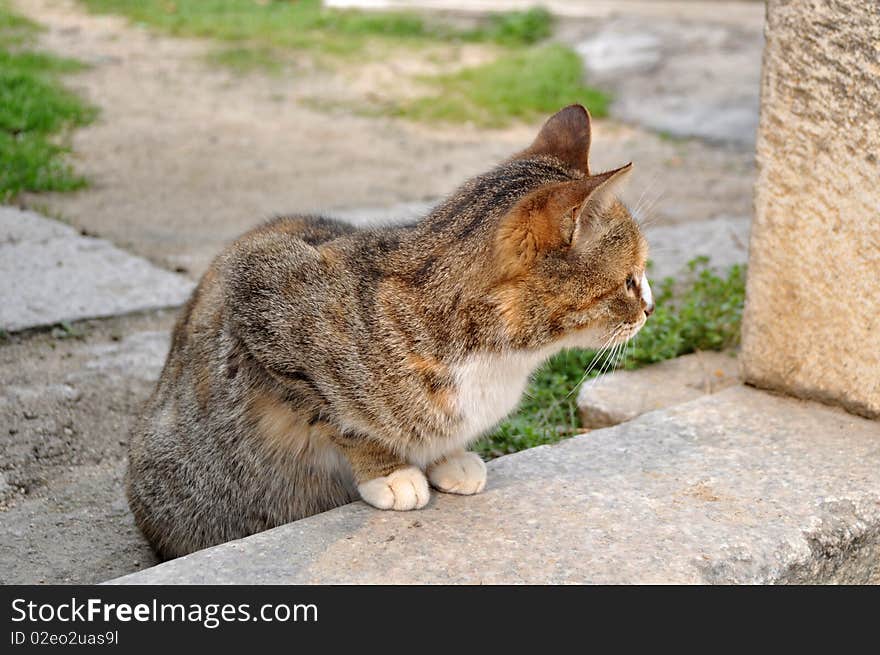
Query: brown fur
314	357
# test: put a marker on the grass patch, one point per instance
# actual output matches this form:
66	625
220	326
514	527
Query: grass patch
523	86
703	313
526	82
305	24
246	59
35	110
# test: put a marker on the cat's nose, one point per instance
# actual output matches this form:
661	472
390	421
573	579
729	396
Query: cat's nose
649	309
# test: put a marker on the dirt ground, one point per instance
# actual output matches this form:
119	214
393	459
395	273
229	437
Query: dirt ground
66	409
183	158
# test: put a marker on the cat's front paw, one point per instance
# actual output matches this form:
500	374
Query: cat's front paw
404	489
462	473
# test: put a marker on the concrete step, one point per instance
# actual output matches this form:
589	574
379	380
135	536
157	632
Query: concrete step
622	395
50	273
736	487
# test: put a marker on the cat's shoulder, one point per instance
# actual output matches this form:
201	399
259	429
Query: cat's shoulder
281	245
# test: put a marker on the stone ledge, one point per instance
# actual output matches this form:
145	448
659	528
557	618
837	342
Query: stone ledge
622	395
50	273
737	487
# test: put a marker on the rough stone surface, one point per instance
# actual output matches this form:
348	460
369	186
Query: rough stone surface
741	486
723	240
811	325
51	273
621	396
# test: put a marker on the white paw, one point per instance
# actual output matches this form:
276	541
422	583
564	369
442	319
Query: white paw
463	473
404	489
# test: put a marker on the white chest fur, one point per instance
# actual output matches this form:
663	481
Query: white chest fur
490	386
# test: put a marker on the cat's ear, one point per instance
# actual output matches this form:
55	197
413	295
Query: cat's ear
555	217
602	190
565	136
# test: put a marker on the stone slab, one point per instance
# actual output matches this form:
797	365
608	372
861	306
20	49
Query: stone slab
622	395
50	273
724	240
737	487
680	77
811	325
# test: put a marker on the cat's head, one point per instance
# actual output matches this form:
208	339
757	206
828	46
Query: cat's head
568	256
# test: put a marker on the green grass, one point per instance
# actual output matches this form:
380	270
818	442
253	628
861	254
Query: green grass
703	313
245	59
304	24
522	86
36	111
525	83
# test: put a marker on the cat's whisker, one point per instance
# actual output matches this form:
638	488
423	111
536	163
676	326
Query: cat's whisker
613	334
607	363
647	216
649	206
637	211
611	363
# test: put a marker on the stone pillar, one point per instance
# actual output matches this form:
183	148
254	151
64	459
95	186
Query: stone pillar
812	316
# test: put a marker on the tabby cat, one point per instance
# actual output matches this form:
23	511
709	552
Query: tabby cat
316	363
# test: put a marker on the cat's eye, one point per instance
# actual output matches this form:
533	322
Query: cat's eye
630	283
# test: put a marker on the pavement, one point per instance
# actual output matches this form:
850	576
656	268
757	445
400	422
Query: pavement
650	67
50	272
67	404
621	396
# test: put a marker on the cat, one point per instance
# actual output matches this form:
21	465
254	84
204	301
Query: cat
317	363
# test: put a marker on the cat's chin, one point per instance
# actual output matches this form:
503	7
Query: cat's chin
630	331
593	338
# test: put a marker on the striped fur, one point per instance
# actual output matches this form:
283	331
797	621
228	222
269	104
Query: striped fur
315	361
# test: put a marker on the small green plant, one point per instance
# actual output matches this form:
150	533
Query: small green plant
524	86
35	111
701	312
66	330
